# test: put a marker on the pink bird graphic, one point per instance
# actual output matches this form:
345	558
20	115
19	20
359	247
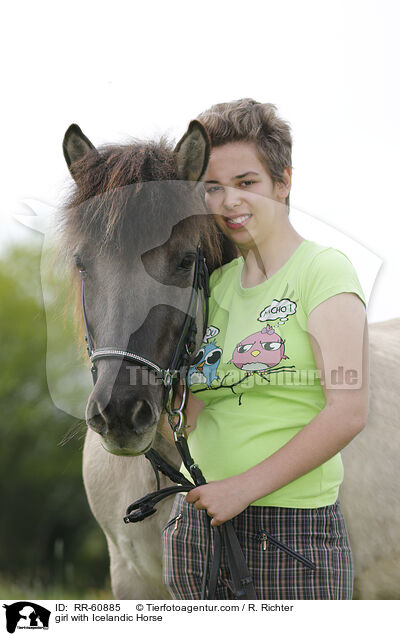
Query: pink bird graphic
260	351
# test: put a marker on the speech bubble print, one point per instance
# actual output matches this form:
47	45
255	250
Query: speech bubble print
210	333
278	310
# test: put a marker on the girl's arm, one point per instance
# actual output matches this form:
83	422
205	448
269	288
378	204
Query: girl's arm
338	334
339	339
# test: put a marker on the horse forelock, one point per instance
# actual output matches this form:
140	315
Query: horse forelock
98	203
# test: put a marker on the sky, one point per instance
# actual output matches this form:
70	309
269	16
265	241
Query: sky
134	69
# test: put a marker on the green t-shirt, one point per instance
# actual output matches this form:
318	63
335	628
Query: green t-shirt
256	372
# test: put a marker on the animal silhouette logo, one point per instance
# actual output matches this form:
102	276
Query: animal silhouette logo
26	615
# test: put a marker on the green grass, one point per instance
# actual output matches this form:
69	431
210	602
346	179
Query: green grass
36	590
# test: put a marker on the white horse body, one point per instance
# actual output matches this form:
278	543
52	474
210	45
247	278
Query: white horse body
369	495
112	483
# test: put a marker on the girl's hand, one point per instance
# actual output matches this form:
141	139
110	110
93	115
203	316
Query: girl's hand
222	499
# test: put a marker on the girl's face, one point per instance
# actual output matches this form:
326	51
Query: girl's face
241	194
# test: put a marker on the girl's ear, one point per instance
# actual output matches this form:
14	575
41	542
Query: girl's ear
283	187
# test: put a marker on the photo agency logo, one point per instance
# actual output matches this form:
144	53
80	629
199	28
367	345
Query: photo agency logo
26	615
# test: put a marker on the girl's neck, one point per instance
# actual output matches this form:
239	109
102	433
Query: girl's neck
263	260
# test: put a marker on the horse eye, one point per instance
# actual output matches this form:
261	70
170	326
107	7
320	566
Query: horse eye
187	261
78	261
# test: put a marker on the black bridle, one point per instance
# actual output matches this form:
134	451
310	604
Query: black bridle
241	583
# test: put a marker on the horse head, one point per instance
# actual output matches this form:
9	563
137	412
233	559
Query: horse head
132	228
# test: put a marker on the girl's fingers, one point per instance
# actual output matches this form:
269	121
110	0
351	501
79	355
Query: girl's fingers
191	497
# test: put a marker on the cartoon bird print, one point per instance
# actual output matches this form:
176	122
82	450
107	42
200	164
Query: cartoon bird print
260	351
205	365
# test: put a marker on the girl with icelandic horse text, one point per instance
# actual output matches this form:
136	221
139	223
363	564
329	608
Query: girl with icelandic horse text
279	385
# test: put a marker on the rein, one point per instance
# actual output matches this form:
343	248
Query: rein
242	585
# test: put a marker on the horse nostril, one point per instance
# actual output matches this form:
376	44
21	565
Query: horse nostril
141	415
95	417
97	424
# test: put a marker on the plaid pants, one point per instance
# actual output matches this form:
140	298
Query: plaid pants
319	534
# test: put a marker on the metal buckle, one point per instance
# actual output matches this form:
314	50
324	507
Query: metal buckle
179	427
168	377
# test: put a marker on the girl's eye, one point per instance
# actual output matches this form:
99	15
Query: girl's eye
213	189
246	183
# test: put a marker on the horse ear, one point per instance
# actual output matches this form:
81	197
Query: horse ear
193	152
75	146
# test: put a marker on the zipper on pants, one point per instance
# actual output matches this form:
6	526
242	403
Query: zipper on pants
263	537
171	521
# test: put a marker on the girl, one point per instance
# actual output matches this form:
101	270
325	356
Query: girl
279	385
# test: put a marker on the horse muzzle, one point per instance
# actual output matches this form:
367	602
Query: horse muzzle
127	424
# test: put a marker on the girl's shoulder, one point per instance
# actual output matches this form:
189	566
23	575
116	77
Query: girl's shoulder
318	254
326	271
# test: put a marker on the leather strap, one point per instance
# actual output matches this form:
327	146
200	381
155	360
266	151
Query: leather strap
242	582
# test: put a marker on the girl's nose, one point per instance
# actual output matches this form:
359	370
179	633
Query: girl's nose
231	198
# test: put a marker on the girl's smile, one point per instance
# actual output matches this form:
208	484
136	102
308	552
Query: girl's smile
235	223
